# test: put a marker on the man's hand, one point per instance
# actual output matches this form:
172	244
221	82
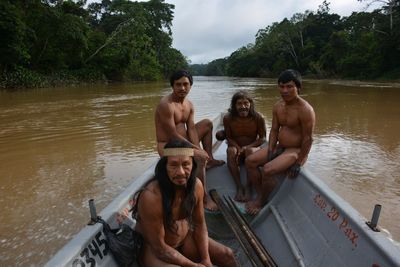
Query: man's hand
294	170
237	156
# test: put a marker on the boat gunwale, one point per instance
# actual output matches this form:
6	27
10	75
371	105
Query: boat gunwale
387	247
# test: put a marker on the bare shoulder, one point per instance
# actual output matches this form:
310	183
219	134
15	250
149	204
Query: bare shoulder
165	103
306	113
260	117
278	105
188	103
227	118
306	107
150	195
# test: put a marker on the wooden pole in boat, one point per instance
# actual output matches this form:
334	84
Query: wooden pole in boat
259	248
229	220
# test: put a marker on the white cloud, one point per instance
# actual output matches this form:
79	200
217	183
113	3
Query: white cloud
204	30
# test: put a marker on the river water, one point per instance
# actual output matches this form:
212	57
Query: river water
59	147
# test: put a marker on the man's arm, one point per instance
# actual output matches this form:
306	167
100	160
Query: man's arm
228	132
191	128
261	132
152	229
307	120
200	233
273	134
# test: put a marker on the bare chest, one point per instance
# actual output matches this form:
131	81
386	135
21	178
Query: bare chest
288	116
181	112
246	127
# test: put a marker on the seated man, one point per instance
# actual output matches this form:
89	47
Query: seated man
245	131
174	119
289	143
170	215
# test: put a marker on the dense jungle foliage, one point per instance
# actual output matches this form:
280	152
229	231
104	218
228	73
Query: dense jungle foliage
52	42
365	45
45	42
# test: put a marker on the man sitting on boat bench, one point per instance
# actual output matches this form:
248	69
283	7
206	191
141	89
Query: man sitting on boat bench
170	215
289	143
245	132
174	119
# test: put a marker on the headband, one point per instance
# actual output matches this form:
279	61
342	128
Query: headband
178	151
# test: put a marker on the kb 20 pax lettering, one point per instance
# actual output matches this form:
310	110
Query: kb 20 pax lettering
96	249
334	215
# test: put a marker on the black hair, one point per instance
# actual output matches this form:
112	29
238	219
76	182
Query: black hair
291	75
179	74
168	191
241	95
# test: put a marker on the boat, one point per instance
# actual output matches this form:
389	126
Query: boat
304	223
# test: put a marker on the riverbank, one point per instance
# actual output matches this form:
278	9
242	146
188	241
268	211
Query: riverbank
23	78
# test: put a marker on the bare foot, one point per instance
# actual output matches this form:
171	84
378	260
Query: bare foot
253	207
214	163
239	194
209	204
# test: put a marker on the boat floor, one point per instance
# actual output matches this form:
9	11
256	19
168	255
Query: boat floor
304	223
219	178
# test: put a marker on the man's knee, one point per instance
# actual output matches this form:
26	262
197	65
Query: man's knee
220	135
205	124
226	257
229	253
200	154
269	169
229	256
249	151
201	161
250	162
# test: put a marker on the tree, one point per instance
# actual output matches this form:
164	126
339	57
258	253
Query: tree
390	7
13	46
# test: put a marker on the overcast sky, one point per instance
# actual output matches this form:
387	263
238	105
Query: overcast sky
204	30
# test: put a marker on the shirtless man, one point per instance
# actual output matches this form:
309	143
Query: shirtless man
170	215
174	119
245	131
289	143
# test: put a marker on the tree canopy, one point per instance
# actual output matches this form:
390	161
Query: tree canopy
112	39
319	43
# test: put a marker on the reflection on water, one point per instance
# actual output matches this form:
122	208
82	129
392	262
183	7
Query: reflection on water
61	147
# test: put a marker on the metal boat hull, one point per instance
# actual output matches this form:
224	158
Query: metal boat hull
304	223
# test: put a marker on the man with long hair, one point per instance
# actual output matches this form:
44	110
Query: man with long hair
290	140
245	131
174	119
170	215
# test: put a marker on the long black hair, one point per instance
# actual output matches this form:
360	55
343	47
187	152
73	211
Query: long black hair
167	189
241	95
